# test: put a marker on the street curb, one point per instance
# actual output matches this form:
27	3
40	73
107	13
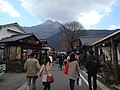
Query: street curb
102	86
23	87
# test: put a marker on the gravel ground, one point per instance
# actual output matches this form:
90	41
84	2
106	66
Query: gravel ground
12	81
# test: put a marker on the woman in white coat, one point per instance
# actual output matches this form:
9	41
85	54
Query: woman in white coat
46	68
73	70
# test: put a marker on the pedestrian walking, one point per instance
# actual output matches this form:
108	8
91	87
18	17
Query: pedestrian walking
61	60
45	70
92	66
81	59
32	68
73	70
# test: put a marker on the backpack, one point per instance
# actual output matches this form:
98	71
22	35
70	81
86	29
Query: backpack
92	65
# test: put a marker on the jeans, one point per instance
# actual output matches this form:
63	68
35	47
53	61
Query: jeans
31	81
72	84
94	81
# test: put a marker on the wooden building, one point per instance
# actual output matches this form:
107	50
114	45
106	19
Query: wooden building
111	47
17	49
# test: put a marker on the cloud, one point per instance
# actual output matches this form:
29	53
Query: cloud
89	18
8	8
88	12
112	27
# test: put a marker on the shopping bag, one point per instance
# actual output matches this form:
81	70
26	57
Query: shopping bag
66	67
50	78
79	81
44	78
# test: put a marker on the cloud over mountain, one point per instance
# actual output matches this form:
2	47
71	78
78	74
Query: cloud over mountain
69	10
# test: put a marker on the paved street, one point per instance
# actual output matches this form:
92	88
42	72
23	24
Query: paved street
11	81
61	81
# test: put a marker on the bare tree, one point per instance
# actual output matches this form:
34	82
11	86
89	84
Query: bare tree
70	35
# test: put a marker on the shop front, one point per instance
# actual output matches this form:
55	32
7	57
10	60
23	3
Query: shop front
17	49
110	46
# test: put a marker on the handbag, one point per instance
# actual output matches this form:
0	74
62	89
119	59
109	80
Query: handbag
66	67
50	78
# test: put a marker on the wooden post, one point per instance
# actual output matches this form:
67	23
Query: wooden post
115	59
95	50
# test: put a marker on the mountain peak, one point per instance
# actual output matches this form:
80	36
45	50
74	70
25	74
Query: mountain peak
48	22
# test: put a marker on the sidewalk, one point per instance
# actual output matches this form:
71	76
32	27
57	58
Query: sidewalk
116	87
113	86
12	81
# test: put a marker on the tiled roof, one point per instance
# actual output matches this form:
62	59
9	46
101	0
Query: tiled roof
15	38
113	34
14	24
88	40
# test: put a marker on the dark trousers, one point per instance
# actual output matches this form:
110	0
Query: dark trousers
72	84
46	86
60	66
94	83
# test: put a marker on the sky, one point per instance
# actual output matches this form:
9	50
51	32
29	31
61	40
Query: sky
92	14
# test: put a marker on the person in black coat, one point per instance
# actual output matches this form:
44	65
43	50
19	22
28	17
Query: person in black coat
61	60
92	65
